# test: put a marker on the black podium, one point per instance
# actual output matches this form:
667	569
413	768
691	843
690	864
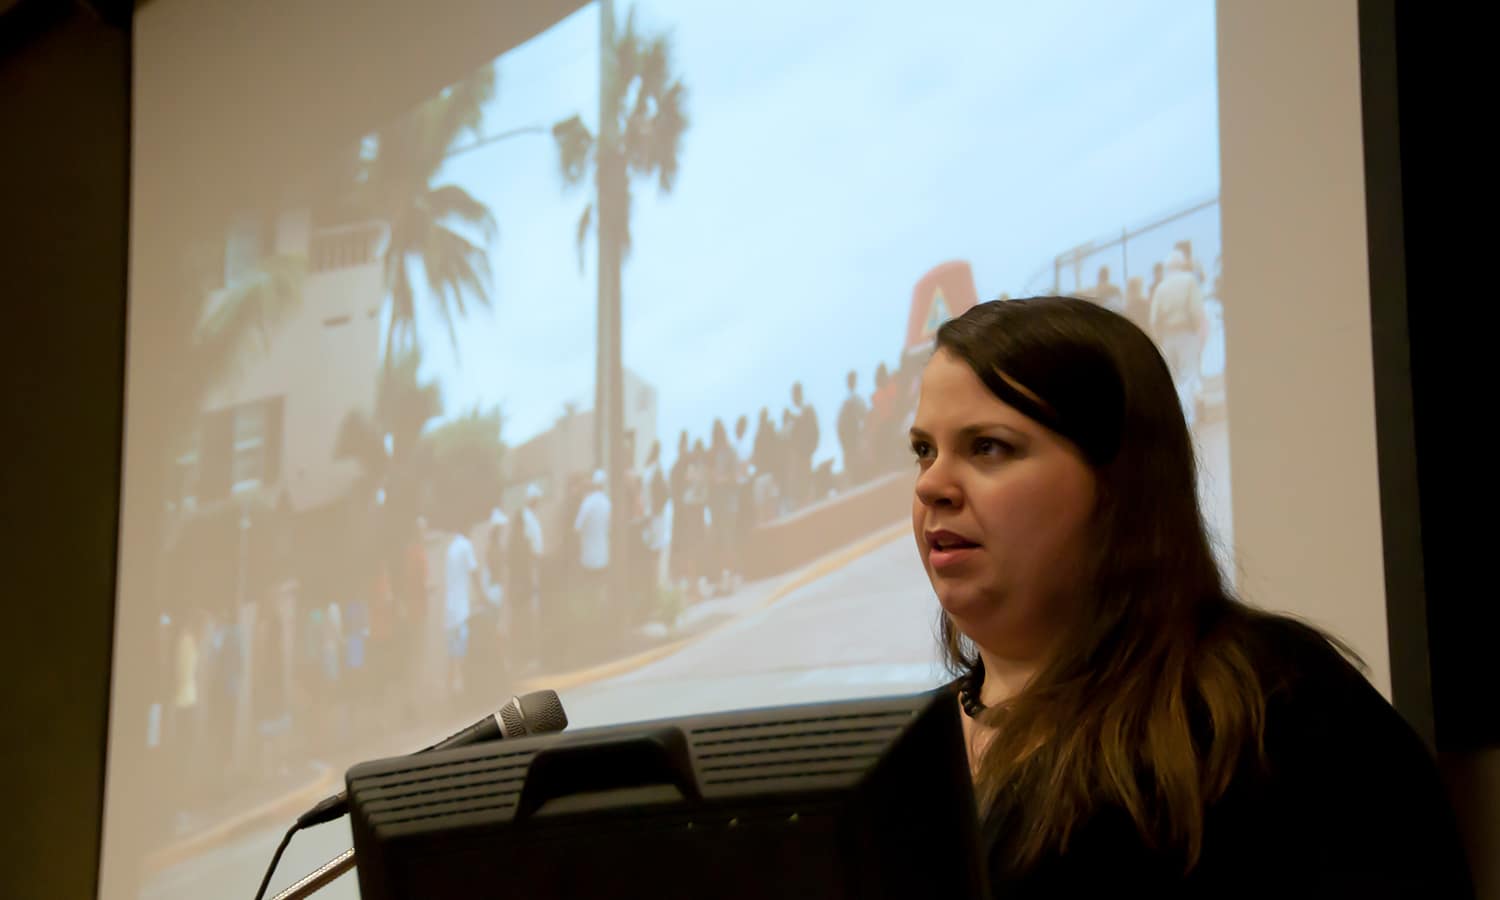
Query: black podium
854	799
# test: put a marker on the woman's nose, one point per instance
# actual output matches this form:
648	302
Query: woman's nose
936	485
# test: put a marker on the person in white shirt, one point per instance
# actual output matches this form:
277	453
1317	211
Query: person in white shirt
744	445
461	582
592	527
1180	326
530	524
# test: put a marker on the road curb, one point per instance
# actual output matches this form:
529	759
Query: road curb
282	809
566	681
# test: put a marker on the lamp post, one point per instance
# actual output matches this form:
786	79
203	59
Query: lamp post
245	618
609	426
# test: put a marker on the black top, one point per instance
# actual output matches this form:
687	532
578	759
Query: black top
1350	804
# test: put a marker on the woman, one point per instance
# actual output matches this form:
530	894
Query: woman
1133	728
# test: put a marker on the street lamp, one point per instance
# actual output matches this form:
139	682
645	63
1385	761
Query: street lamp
246	620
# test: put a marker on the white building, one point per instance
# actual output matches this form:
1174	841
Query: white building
270	429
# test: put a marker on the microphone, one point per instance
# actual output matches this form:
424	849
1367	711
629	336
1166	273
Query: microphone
539	712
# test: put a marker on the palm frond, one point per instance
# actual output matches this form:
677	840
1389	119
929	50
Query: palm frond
585	222
665	142
655	65
455	266
652	128
400	162
456	269
404	403
241	320
626	48
458	110
451	202
403	323
575	149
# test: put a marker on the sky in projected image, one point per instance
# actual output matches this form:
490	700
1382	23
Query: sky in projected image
831	160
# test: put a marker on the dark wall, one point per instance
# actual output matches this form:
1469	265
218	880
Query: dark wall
1451	344
64	177
1436	495
1401	532
1433	403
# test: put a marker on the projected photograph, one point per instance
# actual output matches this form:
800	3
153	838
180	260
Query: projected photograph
593	371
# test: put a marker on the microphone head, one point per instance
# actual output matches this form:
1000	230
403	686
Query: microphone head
544	712
539	712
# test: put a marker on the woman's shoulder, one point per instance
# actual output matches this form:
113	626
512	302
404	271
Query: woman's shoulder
1324	722
1294	659
1317	694
950	688
1346	781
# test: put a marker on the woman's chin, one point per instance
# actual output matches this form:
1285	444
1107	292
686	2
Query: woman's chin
959	598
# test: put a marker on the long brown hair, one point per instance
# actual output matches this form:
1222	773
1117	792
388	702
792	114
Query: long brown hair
1151	703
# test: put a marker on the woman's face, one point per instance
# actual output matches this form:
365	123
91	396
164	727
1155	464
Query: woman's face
1001	512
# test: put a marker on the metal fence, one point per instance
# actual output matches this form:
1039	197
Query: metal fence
1136	251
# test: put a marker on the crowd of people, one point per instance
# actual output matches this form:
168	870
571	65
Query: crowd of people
698	514
1172	311
582	590
528	587
245	691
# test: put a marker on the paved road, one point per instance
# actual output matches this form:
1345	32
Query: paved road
866	629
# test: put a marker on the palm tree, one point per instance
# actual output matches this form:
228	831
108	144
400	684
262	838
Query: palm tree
242	320
395	464
395	185
642	118
468	468
387	443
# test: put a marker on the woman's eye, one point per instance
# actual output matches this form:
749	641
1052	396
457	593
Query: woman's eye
990	447
921	449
